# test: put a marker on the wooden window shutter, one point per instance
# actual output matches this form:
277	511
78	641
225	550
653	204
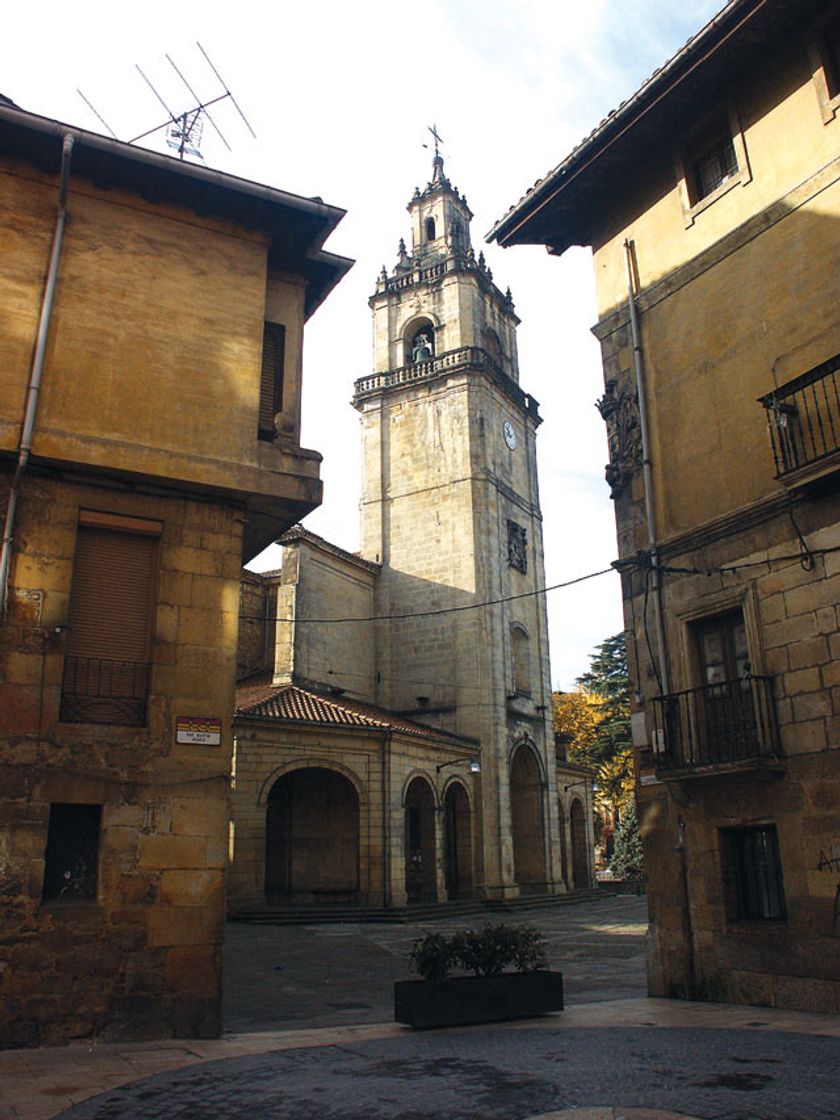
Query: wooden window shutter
111	599
271	379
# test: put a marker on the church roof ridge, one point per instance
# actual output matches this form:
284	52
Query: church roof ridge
293	704
298	533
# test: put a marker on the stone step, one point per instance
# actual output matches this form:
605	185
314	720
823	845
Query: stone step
416	913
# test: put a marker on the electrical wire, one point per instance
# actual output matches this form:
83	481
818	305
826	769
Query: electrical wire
440	610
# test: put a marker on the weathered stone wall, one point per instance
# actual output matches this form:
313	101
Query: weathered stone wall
734	301
322	589
142	959
379	768
257	610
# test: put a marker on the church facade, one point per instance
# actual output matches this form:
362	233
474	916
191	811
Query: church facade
410	689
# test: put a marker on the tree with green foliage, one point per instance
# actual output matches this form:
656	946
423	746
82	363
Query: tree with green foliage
609	751
628	859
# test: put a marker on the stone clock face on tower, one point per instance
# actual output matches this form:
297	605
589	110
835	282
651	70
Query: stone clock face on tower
509	434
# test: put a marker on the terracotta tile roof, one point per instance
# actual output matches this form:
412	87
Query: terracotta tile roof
290	703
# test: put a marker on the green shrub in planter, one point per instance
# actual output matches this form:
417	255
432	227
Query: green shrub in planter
492	994
486	951
432	956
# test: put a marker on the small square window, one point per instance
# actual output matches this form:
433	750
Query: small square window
711	161
752	873
714	164
72	853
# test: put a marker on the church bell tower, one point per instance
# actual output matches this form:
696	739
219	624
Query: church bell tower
450	509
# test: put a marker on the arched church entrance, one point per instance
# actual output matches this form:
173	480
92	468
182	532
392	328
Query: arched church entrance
527	820
564	852
420	879
580	856
312	838
457	842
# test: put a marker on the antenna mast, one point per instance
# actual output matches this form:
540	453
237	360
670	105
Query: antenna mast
184	130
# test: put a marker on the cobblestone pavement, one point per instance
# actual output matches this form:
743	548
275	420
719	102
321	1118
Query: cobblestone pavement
313	1006
279	977
501	1074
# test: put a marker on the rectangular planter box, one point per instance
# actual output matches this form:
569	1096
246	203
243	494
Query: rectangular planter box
459	1000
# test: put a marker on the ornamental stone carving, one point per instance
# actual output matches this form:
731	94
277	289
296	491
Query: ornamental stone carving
620	411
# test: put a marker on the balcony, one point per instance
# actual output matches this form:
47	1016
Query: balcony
803	418
465	358
718	728
96	690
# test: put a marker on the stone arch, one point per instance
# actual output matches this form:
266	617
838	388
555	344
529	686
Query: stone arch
527	817
311	837
520	652
307	762
430	228
580	854
419	340
420	840
457	840
564	846
493	346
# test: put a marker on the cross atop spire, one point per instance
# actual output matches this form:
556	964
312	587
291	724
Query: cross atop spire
438	139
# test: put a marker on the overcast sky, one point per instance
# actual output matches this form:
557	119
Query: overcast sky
340	95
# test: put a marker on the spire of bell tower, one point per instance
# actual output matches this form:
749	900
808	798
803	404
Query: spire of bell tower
440	225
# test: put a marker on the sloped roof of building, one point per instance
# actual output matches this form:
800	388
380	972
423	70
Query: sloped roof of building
568	205
297	227
292	704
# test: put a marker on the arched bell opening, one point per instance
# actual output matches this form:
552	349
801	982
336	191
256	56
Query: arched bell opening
580	855
457	842
420	879
420	342
312	839
526	809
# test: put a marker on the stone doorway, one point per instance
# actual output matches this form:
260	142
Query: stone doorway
580	855
526	811
420	879
312	839
457	842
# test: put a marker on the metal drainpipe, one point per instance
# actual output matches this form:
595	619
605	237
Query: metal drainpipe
647	478
35	375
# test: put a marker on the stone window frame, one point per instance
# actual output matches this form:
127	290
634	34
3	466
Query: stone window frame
686	155
517	546
742	904
705	608
521	661
825	70
71	853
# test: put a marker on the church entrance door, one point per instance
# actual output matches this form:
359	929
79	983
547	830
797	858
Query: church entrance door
420	883
580	861
457	842
312	839
527	820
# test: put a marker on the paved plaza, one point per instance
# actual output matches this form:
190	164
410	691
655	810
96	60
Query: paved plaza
310	1037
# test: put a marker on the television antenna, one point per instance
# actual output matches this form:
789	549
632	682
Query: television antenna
183	131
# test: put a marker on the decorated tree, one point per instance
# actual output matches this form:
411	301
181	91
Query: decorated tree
627	859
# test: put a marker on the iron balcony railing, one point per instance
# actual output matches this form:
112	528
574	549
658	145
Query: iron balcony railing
804	418
717	725
97	690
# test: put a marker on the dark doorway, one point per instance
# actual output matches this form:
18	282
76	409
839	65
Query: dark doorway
526	811
420	880
580	855
564	852
312	839
457	842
